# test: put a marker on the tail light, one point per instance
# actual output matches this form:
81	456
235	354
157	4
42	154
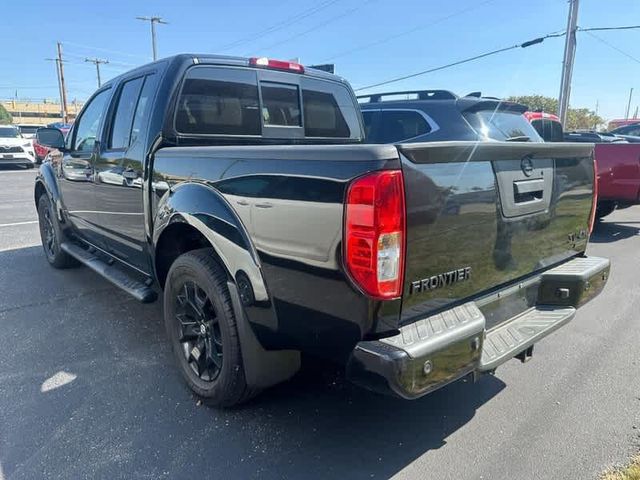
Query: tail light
276	64
375	233
594	204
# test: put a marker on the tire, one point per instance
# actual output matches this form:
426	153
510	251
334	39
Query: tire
30	166
605	208
52	235
200	322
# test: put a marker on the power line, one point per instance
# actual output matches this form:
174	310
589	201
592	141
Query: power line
407	32
318	26
602	40
466	60
279	25
100	49
601	29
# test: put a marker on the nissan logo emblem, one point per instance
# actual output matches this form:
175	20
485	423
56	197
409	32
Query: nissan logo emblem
527	166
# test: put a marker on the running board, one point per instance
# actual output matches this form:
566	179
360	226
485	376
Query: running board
517	335
119	278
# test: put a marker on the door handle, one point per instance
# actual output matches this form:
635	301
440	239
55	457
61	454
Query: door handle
244	203
263	205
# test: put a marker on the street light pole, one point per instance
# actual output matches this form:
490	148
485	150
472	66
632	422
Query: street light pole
567	63
153	20
97	62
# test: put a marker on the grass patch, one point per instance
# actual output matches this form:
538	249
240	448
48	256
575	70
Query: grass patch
630	472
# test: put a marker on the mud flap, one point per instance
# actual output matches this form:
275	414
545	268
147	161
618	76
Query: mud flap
262	368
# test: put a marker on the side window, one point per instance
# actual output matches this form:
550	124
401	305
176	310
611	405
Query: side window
142	110
329	110
635	131
121	129
218	101
86	128
401	125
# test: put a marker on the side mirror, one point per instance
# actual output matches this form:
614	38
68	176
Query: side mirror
50	137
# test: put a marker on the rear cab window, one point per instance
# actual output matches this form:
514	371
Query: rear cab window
549	130
502	125
236	101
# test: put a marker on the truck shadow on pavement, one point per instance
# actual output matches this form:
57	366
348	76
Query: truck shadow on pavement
607	232
89	390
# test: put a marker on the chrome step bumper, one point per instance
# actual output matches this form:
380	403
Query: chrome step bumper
507	340
441	348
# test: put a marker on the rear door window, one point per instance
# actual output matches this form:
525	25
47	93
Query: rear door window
121	130
399	125
219	101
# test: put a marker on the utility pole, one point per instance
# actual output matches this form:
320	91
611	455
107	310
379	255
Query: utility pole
567	63
626	115
63	87
59	84
97	62
153	21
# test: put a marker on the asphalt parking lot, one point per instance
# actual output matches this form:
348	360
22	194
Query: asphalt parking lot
88	389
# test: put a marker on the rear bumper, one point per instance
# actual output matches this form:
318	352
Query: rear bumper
444	347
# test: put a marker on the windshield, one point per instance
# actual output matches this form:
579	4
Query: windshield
9	132
502	125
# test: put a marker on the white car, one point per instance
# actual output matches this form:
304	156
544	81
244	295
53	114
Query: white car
14	148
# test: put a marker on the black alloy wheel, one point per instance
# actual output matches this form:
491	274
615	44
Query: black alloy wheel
199	331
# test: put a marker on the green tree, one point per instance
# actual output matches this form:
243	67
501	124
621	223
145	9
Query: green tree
577	118
5	117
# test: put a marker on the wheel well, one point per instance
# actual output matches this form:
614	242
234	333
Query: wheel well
175	240
39	191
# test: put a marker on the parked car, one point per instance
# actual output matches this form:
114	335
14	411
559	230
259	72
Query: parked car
631	133
632	129
621	122
590	136
547	125
63	127
41	151
437	115
14	148
618	163
28	131
240	188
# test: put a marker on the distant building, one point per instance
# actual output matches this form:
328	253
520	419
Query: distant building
39	113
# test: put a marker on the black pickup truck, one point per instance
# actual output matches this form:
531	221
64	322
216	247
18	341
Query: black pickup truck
242	190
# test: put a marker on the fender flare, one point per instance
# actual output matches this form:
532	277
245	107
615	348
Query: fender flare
207	211
47	178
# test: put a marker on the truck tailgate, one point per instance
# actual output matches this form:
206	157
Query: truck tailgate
481	215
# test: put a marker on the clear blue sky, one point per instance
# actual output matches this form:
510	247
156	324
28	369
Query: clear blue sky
412	35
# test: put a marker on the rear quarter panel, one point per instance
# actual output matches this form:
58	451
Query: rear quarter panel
289	200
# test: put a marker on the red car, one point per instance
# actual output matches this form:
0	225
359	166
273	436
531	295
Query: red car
40	150
618	163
